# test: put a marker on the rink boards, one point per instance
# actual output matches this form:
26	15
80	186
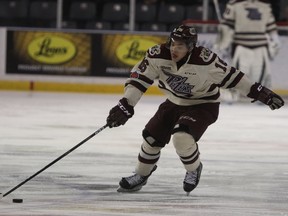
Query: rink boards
96	61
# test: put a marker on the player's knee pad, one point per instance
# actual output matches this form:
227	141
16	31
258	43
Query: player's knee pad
151	140
184	143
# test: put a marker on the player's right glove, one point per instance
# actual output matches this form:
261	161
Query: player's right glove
266	96
120	114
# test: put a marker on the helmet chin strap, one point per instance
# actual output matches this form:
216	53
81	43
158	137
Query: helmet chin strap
191	49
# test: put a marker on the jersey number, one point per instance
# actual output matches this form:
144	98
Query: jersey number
143	65
221	64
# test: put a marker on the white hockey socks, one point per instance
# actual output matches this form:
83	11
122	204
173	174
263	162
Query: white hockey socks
187	149
147	158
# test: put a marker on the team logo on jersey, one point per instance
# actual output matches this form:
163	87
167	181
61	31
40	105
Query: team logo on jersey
206	54
155	50
134	75
253	13
178	84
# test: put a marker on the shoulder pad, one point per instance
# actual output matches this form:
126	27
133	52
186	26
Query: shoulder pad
159	51
202	56
155	50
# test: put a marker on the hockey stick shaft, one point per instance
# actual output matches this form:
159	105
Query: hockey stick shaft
217	9
56	160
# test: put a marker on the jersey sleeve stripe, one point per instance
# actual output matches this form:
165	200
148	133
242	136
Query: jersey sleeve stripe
271	27
230	25
236	80
145	79
228	77
212	87
271	24
136	85
214	56
229	20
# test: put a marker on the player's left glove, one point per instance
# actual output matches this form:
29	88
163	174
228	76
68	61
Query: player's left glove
266	96
120	114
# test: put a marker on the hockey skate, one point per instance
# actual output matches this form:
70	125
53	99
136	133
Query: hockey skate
133	183
191	179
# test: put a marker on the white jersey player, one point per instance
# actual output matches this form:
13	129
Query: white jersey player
250	26
190	77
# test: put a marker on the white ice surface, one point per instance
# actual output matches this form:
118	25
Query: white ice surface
245	158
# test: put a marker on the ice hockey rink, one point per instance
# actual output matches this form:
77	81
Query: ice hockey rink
245	158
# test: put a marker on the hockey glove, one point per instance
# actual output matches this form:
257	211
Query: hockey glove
120	114
266	96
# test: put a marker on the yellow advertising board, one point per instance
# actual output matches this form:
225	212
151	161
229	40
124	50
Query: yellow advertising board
120	52
49	53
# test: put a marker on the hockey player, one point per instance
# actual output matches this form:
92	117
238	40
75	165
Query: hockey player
190	77
250	27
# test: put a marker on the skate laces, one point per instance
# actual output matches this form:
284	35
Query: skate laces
135	179
191	177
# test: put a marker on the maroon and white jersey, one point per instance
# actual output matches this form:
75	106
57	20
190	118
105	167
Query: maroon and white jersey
251	20
196	81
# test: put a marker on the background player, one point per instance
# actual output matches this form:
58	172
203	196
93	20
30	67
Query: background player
249	25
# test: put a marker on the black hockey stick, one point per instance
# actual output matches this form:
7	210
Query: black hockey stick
57	159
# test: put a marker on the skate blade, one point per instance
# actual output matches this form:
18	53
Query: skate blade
187	193
124	190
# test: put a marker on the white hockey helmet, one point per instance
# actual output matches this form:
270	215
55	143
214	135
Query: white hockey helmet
187	34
